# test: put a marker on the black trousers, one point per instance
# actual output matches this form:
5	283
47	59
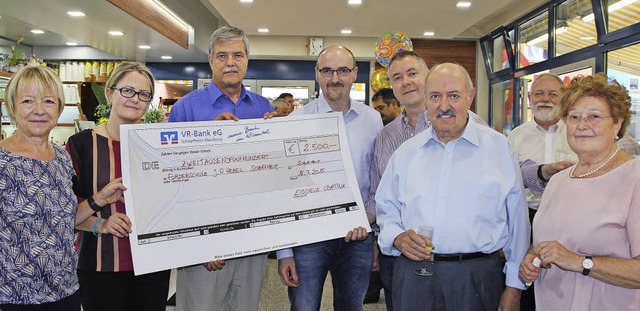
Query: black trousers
71	303
470	285
122	291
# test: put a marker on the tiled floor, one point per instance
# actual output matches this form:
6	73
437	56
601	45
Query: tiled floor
274	294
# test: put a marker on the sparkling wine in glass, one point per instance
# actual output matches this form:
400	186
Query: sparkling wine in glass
425	231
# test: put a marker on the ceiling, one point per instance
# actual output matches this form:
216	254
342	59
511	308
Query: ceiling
283	18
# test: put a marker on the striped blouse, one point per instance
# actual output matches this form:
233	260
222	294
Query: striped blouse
96	160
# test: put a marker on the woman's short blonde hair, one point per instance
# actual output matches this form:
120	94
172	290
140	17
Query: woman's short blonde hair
44	79
599	85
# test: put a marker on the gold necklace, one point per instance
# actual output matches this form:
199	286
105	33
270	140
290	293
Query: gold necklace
597	168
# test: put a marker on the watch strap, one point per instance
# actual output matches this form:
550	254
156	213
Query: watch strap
540	176
586	271
93	205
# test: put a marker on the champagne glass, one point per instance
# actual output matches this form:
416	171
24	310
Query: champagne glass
425	231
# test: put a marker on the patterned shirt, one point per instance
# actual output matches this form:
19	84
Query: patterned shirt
37	216
387	141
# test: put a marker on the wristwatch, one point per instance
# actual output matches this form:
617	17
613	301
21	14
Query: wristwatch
587	265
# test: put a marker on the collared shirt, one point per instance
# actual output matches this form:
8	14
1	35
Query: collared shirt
387	141
533	142
363	124
470	190
207	103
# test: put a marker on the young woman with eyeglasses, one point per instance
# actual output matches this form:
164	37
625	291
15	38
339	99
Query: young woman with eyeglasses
105	267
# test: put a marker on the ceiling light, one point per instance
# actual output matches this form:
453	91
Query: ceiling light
428	33
72	43
174	15
166	57
345	31
75	13
37	31
116	33
144	47
560	30
612	8
588	38
354	2
246	1
263	30
463	4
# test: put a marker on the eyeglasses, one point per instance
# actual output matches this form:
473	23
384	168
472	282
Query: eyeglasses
342	72
128	92
590	118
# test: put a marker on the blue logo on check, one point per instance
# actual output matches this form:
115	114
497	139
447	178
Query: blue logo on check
167	138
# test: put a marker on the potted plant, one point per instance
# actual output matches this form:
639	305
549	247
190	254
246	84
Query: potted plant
15	61
153	115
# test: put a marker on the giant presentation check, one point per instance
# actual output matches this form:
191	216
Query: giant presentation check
200	191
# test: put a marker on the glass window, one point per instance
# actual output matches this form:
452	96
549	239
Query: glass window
502	105
573	29
497	53
534	40
624	66
622	13
300	93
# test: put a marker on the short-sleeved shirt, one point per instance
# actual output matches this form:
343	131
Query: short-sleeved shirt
37	217
207	103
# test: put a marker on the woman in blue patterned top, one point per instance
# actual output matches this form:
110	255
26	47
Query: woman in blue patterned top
38	209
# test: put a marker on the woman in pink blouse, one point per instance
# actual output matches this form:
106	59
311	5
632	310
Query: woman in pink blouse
587	229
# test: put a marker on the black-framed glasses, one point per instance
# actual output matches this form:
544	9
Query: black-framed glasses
128	92
342	72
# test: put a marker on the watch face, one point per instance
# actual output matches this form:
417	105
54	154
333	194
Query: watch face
587	263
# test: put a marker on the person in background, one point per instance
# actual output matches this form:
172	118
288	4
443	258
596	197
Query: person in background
542	140
288	97
105	265
304	268
386	104
238	285
38	210
629	144
462	179
280	106
587	229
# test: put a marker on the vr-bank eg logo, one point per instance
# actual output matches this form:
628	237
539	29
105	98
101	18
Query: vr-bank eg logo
167	138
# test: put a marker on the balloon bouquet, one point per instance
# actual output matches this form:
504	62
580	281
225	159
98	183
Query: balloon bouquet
388	45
